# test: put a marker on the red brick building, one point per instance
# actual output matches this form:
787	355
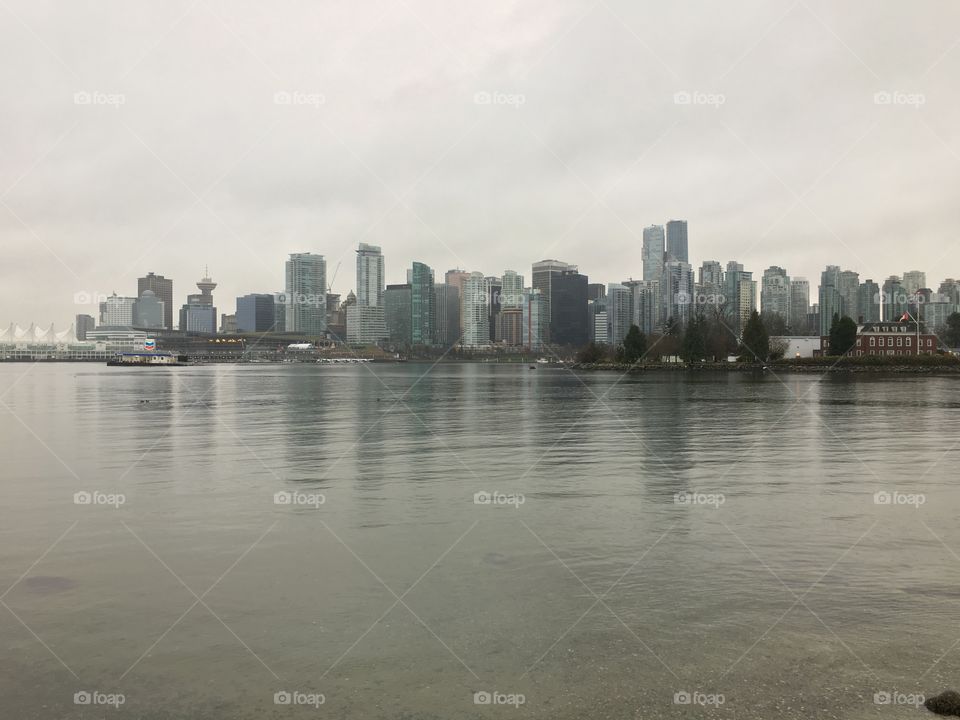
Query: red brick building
888	338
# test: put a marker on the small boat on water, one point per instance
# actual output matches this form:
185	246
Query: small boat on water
147	359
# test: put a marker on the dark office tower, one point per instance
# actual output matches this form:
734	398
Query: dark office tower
397	314
255	313
82	325
163	289
677	241
596	291
447	303
423	305
569	310
544	273
494	292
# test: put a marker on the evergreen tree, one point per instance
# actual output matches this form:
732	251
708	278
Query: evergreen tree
755	343
951	335
634	345
843	335
694	346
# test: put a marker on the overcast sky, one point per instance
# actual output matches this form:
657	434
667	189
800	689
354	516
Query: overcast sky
156	136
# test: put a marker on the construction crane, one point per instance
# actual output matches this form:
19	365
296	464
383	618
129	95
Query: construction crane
330	284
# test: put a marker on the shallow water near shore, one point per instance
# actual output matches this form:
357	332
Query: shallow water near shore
591	544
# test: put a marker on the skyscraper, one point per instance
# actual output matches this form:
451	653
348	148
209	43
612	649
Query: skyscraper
677	241
569	318
678	290
542	277
163	289
306	294
534	319
255	313
775	293
117	311
82	324
512	290
913	280
868	302
423	306
894	299
653	250
398	313
148	311
740	293
447	304
619	313
476	315
829	298
370	275
849	288
199	315
799	305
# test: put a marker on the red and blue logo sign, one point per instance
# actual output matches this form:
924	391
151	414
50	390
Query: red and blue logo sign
149	344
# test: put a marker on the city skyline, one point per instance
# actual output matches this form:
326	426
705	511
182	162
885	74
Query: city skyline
88	303
494	143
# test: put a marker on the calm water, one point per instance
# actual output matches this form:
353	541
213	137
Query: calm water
400	597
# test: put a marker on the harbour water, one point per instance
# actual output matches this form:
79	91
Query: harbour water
401	541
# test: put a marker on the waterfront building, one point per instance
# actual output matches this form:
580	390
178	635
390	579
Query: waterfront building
889	338
457	279
366	324
511	296
228	324
596	291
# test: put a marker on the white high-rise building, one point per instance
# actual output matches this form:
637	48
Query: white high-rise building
511	290
366	321
476	311
306	294
619	313
116	311
370	276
